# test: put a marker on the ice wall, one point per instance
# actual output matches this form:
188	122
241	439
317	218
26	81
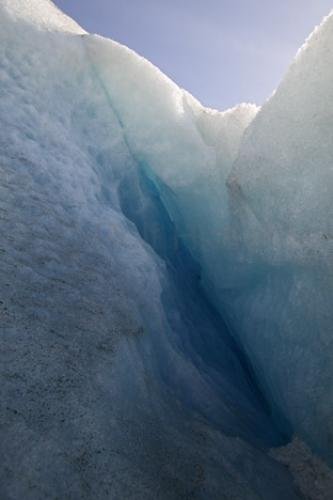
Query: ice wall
280	195
119	378
159	317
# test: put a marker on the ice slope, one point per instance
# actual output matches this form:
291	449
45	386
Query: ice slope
281	205
118	377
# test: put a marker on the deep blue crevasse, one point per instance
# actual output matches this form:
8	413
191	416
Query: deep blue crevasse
205	339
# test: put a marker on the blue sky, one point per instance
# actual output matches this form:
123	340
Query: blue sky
222	51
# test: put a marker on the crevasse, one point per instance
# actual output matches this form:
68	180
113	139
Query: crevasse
257	219
165	272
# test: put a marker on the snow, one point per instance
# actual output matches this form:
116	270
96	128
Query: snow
305	467
166	291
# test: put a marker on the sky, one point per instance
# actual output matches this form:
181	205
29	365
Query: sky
222	51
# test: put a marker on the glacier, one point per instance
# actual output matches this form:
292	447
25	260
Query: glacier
166	275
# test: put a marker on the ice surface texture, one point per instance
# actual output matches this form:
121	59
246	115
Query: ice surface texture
281	199
134	269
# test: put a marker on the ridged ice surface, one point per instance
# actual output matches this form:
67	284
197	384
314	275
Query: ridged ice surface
164	315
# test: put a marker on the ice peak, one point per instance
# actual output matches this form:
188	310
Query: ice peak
41	13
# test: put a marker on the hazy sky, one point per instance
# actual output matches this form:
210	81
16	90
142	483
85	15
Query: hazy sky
222	51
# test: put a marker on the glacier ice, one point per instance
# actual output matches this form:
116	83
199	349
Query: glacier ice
281	189
165	272
255	212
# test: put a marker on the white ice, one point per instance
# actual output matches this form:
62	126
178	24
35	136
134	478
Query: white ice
139	231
